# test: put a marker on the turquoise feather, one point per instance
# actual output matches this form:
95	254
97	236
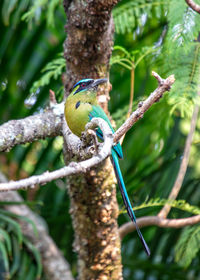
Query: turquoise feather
97	112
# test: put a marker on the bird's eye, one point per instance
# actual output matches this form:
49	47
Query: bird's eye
83	85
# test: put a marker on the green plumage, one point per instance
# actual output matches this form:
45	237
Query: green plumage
77	110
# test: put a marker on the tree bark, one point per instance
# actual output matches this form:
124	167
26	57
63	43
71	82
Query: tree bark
94	207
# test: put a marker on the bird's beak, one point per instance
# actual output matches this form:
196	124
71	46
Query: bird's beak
99	81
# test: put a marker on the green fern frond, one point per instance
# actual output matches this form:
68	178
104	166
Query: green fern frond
15	8
133	13
184	24
12	241
181	57
52	70
129	59
38	6
178	204
188	246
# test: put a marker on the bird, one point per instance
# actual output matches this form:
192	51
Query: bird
80	107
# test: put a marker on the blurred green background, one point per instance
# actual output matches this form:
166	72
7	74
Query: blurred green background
156	35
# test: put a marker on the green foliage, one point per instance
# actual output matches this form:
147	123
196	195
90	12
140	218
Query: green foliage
38	7
129	59
188	246
14	7
12	241
135	13
183	56
178	204
152	149
52	70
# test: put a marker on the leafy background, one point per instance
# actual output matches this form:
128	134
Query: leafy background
150	35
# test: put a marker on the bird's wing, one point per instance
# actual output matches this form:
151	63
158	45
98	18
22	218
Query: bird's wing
98	112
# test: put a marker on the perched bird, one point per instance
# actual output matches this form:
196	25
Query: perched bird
80	107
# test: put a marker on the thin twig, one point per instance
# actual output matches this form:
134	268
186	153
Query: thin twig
193	5
131	92
158	221
52	98
163	85
184	163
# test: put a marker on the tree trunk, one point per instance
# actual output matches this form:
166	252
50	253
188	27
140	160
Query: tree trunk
94	207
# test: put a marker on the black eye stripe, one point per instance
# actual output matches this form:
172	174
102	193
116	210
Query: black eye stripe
83	85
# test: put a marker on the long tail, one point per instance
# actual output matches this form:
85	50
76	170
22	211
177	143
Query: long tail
126	200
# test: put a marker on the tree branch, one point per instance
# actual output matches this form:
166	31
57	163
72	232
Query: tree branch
73	167
54	264
184	163
158	221
40	126
193	5
163	85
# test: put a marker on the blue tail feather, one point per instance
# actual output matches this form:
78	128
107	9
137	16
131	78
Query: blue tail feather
97	112
126	200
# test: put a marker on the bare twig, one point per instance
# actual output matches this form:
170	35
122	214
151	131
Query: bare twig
158	221
184	163
164	85
193	5
131	92
73	167
52	98
54	264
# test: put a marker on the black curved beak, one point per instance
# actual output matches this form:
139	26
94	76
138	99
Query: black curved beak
99	81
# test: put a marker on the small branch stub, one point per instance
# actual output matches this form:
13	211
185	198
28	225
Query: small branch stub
193	5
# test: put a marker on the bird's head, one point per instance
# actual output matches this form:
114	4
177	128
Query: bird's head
87	84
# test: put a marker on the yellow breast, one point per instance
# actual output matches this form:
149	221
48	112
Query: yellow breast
77	115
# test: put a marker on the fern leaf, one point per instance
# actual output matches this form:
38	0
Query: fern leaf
132	14
52	70
181	57
37	8
178	204
188	246
130	59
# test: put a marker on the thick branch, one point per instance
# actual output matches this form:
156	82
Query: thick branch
184	163
73	167
54	264
193	5
158	221
164	85
47	124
